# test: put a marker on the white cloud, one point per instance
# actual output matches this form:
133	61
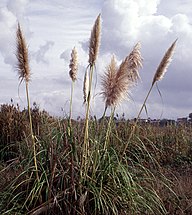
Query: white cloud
7	23
39	55
66	55
17	7
126	22
11	12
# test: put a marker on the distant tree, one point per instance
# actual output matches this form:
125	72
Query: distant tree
190	116
123	116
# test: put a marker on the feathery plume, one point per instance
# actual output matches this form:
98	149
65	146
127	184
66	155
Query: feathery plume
162	68
108	82
158	76
95	41
73	65
85	87
24	74
134	63
115	83
22	56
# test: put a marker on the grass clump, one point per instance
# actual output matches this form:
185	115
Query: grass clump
136	185
65	166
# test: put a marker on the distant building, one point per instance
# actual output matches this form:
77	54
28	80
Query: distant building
143	121
155	121
182	120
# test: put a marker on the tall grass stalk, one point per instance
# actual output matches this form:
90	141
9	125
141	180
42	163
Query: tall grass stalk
159	74
71	102
116	82
73	75
24	74
31	130
109	129
85	153
93	53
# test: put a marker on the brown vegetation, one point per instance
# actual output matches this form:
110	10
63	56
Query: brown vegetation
163	150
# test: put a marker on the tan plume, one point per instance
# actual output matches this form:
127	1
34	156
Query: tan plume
22	56
85	87
162	68
108	82
134	63
114	83
95	41
73	65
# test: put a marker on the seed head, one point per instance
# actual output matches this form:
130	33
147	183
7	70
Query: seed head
114	83
73	65
134	64
162	68
108	83
22	56
85	87
95	41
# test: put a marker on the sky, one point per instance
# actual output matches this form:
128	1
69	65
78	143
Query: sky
53	27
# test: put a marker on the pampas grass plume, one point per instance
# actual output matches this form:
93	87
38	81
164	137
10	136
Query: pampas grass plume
162	68
117	82
73	65
134	63
22	56
85	87
108	83
95	41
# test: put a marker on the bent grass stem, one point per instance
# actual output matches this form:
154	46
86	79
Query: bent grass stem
135	124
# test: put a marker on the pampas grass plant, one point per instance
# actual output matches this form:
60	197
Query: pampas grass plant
73	75
117	82
159	74
81	168
93	54
24	75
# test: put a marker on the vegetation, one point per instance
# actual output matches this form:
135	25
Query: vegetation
52	165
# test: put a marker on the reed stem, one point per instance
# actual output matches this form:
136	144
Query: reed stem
31	130
71	102
109	129
136	121
86	135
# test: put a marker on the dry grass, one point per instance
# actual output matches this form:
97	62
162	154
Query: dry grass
149	140
181	178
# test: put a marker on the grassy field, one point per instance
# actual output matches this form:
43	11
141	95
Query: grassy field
154	176
51	165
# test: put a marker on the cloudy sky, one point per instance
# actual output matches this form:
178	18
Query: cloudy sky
53	27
